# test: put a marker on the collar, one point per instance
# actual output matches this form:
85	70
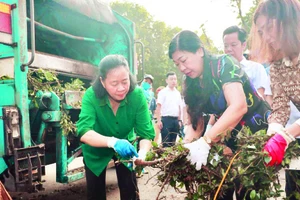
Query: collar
243	61
174	89
105	101
288	63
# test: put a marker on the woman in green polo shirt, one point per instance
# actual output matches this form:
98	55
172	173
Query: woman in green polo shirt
113	112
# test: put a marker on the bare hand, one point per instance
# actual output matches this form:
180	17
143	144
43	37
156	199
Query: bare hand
159	124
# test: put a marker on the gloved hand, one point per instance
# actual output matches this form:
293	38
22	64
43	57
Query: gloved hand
277	144
122	147
199	151
275	147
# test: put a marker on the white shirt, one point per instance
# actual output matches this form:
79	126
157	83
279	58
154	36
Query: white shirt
170	101
257	75
294	116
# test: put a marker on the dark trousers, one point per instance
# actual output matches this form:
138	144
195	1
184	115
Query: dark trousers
291	178
291	187
169	131
229	193
126	181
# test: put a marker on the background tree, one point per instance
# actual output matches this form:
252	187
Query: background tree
156	36
245	18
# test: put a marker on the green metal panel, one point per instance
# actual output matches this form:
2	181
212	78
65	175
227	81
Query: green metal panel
114	36
21	56
7	88
75	177
8	1
61	156
2	139
6	51
3	165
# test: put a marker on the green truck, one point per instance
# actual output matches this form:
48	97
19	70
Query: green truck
68	37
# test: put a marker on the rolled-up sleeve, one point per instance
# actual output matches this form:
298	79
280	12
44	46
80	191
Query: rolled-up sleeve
87	115
230	70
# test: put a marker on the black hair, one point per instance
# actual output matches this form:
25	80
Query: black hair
195	97
106	64
170	74
242	34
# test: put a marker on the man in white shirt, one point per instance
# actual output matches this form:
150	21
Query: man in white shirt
234	39
168	111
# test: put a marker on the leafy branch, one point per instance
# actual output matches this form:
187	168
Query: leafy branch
258	180
47	81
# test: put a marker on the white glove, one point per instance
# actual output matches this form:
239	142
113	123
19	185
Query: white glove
274	128
199	151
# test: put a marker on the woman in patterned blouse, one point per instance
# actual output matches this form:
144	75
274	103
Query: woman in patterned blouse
215	85
276	36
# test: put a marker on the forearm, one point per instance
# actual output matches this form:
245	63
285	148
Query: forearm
179	115
294	129
145	145
94	139
157	111
229	119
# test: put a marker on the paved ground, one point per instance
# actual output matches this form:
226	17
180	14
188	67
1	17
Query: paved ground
76	190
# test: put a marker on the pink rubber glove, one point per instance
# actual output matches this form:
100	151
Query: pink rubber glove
276	146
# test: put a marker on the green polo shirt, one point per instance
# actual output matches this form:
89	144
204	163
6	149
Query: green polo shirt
132	118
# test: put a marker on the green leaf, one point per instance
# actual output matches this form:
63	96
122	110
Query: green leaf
252	194
258	195
154	144
251	147
267	159
48	76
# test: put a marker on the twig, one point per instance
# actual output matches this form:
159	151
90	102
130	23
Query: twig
153	176
223	179
163	185
211	171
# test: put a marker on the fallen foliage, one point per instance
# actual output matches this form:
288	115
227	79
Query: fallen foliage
248	166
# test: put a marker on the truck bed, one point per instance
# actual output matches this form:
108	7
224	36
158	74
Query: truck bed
65	66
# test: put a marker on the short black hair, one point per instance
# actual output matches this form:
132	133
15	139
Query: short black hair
242	34
170	74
